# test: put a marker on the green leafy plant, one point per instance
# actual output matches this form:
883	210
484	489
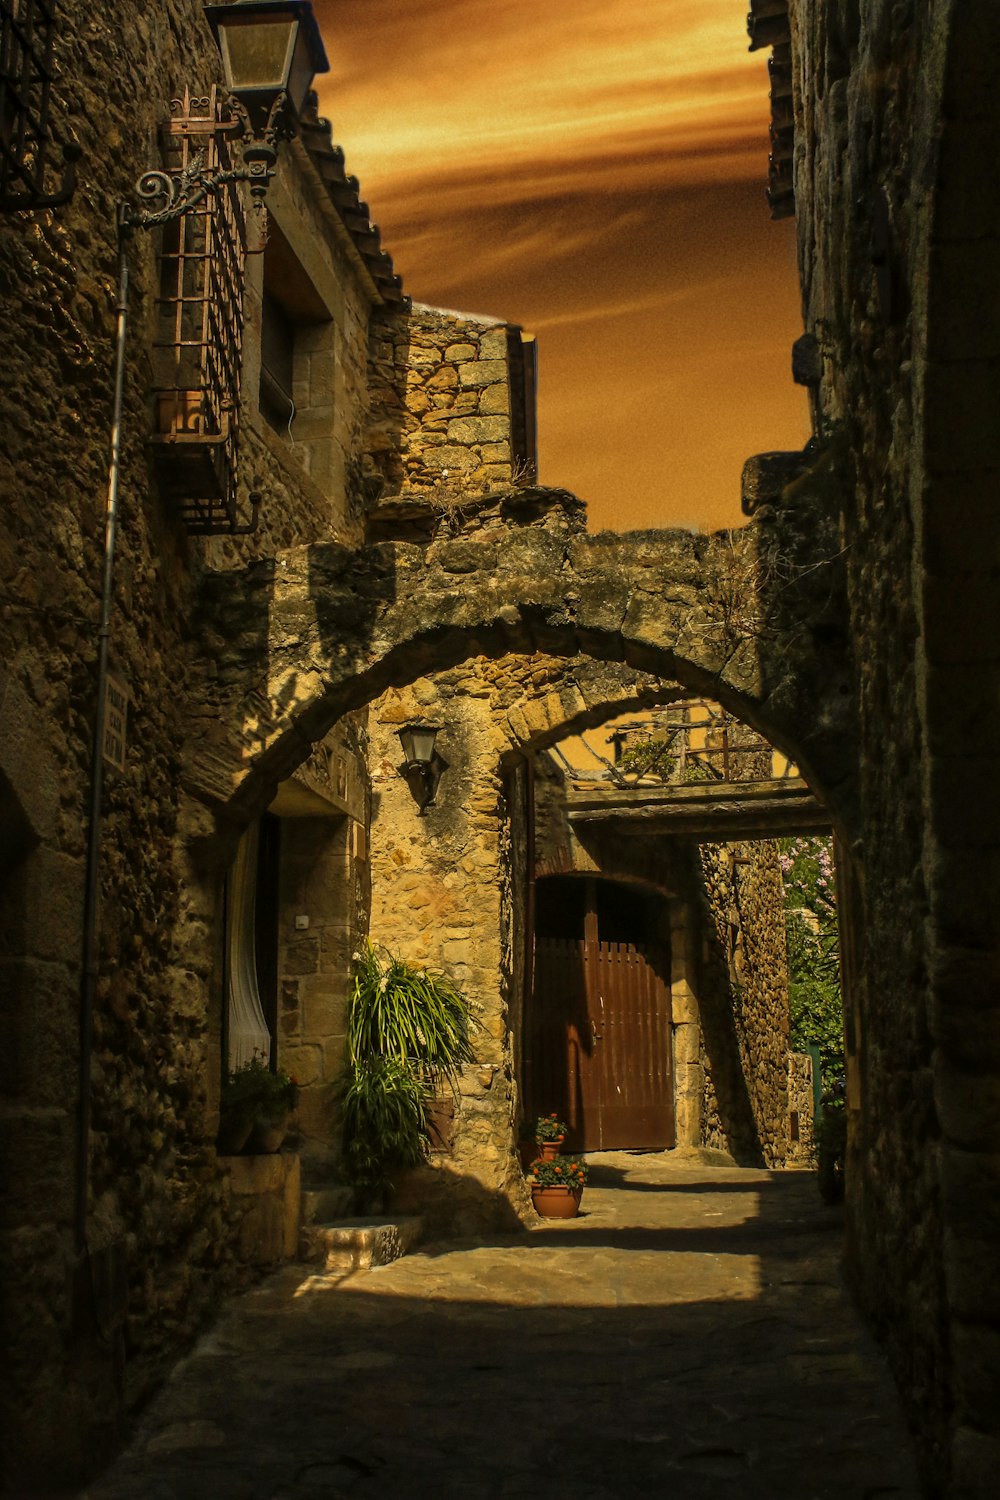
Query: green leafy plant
562	1171
385	1121
655	757
816	1009
407	1036
648	757
253	1092
550	1128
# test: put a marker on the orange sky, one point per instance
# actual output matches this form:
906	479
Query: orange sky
594	171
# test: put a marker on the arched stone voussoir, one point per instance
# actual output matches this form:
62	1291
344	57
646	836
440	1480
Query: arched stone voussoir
343	626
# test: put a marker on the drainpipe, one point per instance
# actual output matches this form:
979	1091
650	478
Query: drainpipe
92	884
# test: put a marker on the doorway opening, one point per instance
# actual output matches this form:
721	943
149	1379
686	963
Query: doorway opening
599	1021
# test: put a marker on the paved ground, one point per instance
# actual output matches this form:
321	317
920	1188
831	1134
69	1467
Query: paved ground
687	1338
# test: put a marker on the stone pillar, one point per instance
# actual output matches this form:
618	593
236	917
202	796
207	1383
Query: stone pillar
689	1072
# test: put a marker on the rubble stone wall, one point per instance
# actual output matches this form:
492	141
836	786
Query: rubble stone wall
441	403
895	106
801	1110
448	887
744	997
162	1230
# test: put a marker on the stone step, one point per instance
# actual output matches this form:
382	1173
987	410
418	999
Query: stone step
359	1244
322	1205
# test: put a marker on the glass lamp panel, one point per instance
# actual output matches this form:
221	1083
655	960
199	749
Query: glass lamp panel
424	736
257	54
417	741
302	70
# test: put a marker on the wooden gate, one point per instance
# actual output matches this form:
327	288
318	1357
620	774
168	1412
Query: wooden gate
602	1053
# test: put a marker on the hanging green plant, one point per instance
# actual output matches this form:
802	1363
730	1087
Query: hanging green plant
407	1036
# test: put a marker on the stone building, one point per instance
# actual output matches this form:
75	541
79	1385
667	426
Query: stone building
492	882
849	623
266	426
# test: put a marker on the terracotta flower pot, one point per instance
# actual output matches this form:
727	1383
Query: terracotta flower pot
549	1150
556	1202
267	1136
233	1135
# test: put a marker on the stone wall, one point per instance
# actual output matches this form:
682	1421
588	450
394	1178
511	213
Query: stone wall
801	1110
441	403
744	1000
440	897
88	1328
897	243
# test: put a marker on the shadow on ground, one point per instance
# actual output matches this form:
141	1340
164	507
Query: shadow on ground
657	1357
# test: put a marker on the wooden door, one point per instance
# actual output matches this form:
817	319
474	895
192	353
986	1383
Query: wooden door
602	1041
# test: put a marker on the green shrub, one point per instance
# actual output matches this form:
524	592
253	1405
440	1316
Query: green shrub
407	1036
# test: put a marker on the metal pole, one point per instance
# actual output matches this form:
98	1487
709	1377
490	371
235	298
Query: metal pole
92	896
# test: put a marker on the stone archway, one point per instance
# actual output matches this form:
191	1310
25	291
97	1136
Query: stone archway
447	889
324	630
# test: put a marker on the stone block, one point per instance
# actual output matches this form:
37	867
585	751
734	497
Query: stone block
968	1106
38	1061
323	1205
965	801
459	354
445	379
964	1010
493	345
961	402
52	899
359	1244
495	399
963	315
953	508
975	1351
483	372
496	454
975	1464
450	457
302	957
36	1165
478	429
266	1191
954	611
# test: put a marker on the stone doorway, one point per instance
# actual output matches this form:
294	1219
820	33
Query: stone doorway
599	1017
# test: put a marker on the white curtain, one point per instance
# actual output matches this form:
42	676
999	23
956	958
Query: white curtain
247	1028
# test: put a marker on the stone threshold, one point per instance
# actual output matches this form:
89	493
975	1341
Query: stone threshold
359	1244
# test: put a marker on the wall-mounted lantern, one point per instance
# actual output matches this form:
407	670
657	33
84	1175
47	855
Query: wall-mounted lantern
423	763
271	51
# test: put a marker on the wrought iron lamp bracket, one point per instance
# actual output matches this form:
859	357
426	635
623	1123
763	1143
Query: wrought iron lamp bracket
178	193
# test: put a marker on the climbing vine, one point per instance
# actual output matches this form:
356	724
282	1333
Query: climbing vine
813	952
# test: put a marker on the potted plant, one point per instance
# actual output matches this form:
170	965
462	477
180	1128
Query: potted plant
557	1186
550	1134
407	1036
255	1106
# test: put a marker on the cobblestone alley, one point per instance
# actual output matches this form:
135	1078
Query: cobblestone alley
687	1336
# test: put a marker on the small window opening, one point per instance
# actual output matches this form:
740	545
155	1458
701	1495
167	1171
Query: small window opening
277	365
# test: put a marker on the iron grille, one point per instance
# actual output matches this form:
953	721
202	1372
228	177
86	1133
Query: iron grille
27	37
198	346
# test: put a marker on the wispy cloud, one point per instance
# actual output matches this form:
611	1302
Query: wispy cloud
596	173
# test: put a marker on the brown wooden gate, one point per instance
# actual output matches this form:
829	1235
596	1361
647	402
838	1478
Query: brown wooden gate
602	1053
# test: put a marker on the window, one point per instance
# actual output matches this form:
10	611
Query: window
296	396
277	365
27	33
